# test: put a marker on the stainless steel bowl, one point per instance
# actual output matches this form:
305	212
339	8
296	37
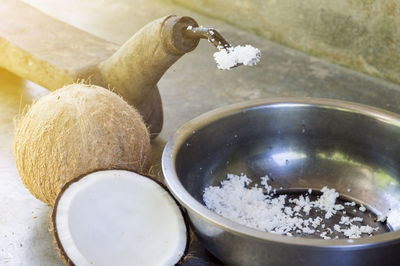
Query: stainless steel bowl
300	143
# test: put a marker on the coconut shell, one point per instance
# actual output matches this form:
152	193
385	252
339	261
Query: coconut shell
52	223
76	130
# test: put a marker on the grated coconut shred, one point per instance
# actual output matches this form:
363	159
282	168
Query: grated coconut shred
239	55
260	208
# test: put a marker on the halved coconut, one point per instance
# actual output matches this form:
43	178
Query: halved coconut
118	217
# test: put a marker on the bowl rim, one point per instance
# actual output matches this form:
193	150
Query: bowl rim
193	206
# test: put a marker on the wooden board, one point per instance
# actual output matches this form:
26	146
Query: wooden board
44	50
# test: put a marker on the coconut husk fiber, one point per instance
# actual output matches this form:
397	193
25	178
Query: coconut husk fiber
76	130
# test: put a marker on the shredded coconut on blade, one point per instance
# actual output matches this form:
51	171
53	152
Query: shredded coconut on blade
239	55
261	208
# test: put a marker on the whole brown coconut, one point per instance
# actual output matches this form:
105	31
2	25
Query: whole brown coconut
76	130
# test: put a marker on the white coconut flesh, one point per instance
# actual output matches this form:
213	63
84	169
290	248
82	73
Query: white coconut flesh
118	217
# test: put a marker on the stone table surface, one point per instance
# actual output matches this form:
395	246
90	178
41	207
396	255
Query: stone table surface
191	87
